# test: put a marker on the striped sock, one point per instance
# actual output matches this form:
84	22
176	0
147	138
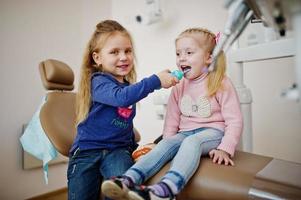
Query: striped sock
127	181
161	189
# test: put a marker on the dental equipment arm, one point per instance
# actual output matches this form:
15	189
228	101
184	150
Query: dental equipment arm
239	16
278	14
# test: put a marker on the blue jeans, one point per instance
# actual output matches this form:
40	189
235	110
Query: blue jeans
88	168
185	148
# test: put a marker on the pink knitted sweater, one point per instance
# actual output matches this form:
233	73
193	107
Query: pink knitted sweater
189	108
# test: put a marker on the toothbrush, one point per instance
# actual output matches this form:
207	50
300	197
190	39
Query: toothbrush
178	74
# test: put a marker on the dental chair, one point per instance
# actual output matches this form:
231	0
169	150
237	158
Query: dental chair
252	177
58	113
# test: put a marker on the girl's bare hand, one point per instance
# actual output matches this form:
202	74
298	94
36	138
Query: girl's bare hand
167	80
220	157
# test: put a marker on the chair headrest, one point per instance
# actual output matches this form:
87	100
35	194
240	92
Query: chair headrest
56	75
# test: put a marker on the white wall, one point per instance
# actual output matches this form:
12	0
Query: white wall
32	31
277	127
276	120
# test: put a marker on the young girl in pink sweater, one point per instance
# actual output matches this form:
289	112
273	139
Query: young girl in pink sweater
203	118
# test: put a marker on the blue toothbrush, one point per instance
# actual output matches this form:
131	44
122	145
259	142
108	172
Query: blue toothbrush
178	74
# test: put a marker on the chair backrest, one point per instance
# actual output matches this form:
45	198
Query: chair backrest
57	115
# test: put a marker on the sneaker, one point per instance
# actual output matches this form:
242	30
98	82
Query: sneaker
115	189
144	193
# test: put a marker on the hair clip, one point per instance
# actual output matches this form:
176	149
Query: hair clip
217	36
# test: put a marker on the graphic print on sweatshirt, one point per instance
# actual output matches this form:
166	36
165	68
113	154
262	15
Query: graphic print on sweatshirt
124	114
198	108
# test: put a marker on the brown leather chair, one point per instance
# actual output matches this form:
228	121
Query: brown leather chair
252	177
58	113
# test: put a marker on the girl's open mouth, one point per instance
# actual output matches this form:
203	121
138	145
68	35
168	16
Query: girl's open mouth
185	69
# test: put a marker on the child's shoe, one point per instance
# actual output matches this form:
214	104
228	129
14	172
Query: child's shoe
145	193
115	189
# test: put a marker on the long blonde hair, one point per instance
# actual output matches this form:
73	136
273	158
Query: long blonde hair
207	41
103	31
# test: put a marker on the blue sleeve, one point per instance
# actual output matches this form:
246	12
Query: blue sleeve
108	92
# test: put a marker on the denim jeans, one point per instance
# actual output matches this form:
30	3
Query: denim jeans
88	168
185	148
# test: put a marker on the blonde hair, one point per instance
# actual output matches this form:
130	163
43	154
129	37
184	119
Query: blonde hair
207	41
103	31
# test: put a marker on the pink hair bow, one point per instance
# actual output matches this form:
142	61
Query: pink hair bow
217	36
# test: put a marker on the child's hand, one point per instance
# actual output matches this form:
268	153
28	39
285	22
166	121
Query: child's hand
167	79
220	156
